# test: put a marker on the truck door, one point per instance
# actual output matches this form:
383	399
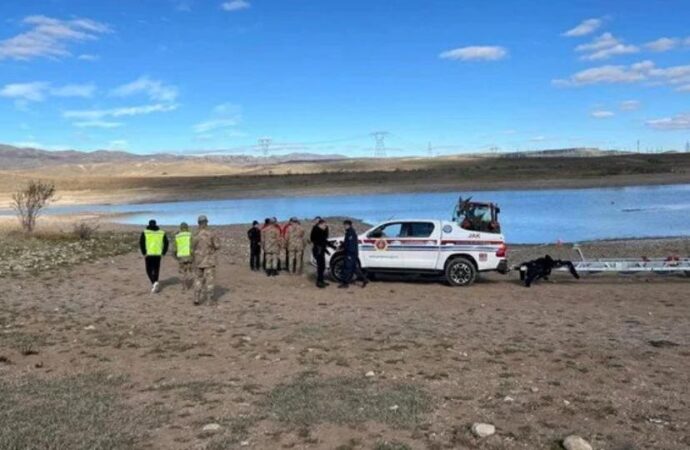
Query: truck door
403	245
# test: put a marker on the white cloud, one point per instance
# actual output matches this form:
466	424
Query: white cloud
225	115
663	44
49	38
630	105
475	53
156	90
98	114
74	90
235	5
609	75
586	27
215	124
38	91
679	122
685	88
32	92
88	57
602	114
604	47
97	124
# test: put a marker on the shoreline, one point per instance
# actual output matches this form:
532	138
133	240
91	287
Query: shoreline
147	196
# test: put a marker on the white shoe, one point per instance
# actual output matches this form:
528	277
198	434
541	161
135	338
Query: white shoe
155	288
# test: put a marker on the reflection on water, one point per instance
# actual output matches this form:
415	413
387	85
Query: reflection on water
526	216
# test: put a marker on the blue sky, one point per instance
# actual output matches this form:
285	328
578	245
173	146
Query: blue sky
196	76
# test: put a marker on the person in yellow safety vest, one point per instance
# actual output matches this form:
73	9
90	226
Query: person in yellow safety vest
153	244
183	255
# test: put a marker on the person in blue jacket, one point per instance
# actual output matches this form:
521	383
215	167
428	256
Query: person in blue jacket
351	251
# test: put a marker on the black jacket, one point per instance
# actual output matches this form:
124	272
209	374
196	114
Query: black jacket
351	242
254	236
142	241
319	238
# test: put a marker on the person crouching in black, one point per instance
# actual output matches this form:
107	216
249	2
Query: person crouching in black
254	236
320	244
541	268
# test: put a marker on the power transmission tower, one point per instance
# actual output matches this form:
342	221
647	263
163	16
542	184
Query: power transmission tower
687	146
380	140
430	149
265	143
638	146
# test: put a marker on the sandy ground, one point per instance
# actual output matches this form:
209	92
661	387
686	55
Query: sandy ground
603	357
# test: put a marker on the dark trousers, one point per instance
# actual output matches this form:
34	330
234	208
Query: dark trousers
255	257
320	257
352	268
153	267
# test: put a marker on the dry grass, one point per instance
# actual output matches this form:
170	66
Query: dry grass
79	412
48	249
310	400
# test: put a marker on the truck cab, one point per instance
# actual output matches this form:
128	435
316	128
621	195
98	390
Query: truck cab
429	247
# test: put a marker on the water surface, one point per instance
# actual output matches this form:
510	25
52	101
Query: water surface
528	216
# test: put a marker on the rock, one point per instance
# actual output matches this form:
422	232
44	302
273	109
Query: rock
211	427
574	442
508	399
370	374
534	389
394	408
483	430
90	327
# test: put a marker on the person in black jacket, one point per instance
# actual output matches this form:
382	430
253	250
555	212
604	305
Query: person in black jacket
153	244
351	250
320	244
254	236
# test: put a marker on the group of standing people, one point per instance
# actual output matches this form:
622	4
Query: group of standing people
271	246
289	241
281	246
196	256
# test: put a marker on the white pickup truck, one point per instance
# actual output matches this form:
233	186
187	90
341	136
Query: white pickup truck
456	250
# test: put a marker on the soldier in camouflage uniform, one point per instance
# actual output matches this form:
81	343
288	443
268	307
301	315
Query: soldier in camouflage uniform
183	255
205	245
270	241
295	246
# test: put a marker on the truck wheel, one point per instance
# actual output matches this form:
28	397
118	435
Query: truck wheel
687	273
337	268
460	272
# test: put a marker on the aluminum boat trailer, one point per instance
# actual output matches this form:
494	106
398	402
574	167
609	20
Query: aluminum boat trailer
627	266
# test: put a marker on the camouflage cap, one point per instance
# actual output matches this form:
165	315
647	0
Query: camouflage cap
202	219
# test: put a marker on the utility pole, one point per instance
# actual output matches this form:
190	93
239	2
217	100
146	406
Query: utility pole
265	143
380	140
687	146
430	149
638	146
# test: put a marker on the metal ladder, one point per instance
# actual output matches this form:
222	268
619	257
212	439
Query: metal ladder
671	264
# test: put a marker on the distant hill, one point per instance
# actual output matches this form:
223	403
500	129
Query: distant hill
16	158
577	152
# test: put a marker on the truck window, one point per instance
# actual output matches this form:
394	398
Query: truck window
417	229
391	230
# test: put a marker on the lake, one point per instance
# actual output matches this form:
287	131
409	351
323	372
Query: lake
527	216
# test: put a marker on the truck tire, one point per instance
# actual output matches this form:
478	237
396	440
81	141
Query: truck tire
337	268
460	272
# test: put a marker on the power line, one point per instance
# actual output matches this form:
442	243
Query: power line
380	140
265	143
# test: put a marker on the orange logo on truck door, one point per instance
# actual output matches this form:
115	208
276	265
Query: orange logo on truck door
381	245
